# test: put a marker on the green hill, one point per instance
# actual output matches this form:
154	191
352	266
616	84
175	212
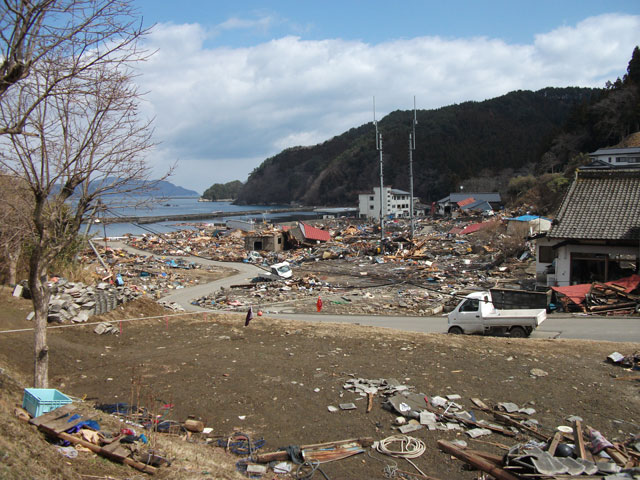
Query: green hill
454	143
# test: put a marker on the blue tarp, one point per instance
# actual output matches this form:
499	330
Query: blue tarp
527	218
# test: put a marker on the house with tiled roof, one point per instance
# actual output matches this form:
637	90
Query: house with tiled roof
596	233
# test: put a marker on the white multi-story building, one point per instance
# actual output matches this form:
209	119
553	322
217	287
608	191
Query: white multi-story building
617	157
395	204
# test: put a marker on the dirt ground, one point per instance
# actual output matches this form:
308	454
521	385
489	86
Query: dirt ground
275	379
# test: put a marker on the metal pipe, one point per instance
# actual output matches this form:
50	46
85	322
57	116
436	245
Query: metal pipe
381	196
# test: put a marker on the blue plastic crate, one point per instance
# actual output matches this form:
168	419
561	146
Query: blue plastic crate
38	401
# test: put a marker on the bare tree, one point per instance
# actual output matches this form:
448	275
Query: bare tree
34	31
73	130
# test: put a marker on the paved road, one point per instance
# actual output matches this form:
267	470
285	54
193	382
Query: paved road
614	329
184	296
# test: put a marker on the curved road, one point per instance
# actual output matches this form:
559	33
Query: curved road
183	296
614	329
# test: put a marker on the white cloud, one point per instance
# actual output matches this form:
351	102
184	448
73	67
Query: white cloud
234	23
221	111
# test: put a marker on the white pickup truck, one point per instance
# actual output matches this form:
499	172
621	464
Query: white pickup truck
476	314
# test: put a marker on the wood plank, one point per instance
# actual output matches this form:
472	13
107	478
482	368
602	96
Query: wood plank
282	455
465	421
62	424
53	414
554	443
480	404
490	457
116	449
579	440
510	421
476	461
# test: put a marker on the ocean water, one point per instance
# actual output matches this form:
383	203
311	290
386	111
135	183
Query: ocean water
178	206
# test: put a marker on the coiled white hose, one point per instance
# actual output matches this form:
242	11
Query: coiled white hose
409	447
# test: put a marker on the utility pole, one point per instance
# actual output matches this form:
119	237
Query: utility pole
379	149
412	147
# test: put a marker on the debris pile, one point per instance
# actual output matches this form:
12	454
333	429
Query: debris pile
76	302
620	297
566	452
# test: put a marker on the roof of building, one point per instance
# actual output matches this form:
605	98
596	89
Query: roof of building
395	191
615	151
466	201
475	227
477	206
486	196
601	204
313	233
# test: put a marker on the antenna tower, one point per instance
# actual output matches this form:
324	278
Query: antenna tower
412	147
379	149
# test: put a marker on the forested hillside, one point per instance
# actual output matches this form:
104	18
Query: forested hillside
454	143
481	145
605	121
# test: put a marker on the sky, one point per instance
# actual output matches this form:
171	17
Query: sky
232	83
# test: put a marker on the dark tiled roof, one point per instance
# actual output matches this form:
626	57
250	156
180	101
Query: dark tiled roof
601	204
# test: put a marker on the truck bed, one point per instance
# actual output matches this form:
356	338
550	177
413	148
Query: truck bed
527	317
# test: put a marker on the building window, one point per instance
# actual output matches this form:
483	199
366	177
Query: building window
371	198
545	254
370	207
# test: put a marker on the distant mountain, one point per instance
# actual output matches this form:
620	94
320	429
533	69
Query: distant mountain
168	189
160	188
134	188
454	144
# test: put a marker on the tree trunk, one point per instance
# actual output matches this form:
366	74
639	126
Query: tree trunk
40	299
13	257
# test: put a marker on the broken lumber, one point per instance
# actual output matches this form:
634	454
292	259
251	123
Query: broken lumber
476	461
579	441
100	451
456	418
283	455
510	421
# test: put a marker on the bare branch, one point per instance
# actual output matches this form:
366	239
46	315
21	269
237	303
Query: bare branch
69	122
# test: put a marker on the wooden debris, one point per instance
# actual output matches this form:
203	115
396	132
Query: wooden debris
369	401
579	441
554	443
318	450
102	451
510	421
468	422
476	461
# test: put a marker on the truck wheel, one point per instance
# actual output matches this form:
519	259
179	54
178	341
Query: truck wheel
517	332
455	331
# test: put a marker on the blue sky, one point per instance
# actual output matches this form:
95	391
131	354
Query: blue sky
233	83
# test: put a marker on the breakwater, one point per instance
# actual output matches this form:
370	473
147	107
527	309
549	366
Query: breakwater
186	217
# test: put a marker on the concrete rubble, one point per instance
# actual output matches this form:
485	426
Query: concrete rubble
75	302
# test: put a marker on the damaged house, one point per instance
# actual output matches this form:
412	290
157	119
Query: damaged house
469	202
596	233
